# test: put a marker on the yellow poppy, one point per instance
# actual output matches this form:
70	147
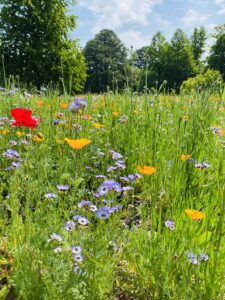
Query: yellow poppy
195	214
77	144
38	138
146	170
185	157
5	131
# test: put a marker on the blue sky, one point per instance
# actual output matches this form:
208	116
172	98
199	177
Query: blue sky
136	21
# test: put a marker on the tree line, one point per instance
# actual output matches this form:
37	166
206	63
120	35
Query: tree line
36	50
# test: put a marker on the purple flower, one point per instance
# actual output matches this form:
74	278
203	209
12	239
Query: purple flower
115	208
58	250
16	165
81	220
78	103
10	153
56	237
115	155
103	212
84	203
124	178
78	257
204	257
100	176
69	225
111	169
63	188
127	188
56	122
170	224
120	165
12	142
204	165
51	196
24	142
76	249
109	185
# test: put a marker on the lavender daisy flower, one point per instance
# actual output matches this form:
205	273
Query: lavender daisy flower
63	188
170	224
191	255
103	212
78	257
127	188
56	122
76	249
12	142
204	165
102	190
111	169
50	195
16	165
81	220
124	178
115	208
56	237
77	104
100	176
11	154
120	165
84	203
93	208
58	250
76	268
204	257
115	155
69	225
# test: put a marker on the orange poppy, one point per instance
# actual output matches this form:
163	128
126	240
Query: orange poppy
39	103
63	105
77	144
195	214
185	156
97	125
146	170
116	113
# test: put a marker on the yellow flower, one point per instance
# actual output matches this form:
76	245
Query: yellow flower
5	131
77	144
18	133
221	132
63	105
195	214
38	138
97	125
146	170
116	113
185	157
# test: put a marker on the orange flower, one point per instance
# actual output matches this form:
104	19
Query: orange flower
63	105
77	144
39	103
116	113
195	214
146	170
185	157
97	125
221	132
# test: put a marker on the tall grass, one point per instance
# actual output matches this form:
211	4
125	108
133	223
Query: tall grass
132	254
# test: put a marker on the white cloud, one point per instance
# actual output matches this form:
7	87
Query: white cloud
221	4
114	14
193	18
134	38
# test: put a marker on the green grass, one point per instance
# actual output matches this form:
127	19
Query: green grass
132	254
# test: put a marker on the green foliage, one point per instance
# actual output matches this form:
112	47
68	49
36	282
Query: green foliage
35	43
210	80
198	41
216	59
106	59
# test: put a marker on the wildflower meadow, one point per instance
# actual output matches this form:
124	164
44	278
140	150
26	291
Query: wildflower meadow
112	196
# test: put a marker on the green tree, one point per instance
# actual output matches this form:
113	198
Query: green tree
106	59
35	43
216	58
198	42
180	60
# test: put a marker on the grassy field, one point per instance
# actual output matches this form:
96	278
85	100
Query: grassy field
152	172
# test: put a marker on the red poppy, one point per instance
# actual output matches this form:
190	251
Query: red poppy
23	118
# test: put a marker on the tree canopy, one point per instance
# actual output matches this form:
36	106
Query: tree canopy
106	58
35	43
